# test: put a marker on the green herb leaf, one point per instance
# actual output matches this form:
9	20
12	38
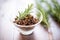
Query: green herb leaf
55	12
44	13
27	11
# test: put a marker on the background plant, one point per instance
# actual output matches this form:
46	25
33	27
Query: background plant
55	10
44	13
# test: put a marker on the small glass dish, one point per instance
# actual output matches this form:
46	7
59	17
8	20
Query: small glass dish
28	29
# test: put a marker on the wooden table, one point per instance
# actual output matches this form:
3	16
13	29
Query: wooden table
9	32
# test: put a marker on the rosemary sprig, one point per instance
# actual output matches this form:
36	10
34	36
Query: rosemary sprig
27	11
54	11
57	10
44	13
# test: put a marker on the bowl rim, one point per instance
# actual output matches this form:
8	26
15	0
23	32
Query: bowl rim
40	19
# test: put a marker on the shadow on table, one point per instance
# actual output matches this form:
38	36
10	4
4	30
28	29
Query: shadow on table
56	21
27	37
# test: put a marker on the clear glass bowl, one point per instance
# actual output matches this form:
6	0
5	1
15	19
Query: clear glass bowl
26	30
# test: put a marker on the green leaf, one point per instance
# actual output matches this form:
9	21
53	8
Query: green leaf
27	11
44	13
55	12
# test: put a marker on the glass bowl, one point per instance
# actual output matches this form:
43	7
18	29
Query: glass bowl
28	29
